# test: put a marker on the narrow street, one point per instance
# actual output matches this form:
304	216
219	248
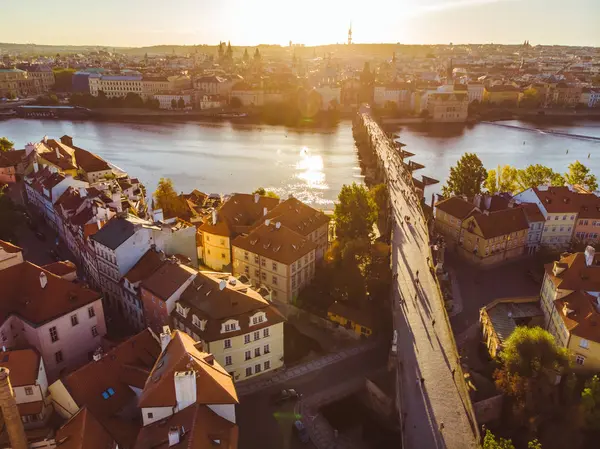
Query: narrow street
436	411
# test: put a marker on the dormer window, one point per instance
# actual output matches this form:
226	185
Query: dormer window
200	324
230	326
258	318
182	310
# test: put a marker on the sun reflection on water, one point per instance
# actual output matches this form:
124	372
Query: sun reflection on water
310	170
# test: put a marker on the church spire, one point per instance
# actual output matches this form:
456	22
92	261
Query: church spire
350	34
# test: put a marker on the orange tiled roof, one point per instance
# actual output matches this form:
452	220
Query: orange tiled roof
557	200
282	245
580	315
213	384
533	212
455	207
577	275
297	216
61	268
202	427
24	366
502	222
30	408
147	265
22	294
169	277
83	431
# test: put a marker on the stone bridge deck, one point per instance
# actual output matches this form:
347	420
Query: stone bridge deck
435	410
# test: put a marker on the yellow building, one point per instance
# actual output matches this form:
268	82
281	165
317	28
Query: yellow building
449	215
505	95
488	238
237	215
235	323
358	320
277	258
501	317
571	306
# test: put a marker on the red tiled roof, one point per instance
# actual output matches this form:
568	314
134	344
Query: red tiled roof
11	158
30	408
557	200
533	212
83	431
90	162
60	268
213	384
9	247
579	313
22	294
502	222
297	216
23	364
202	427
169	277
577	274
147	265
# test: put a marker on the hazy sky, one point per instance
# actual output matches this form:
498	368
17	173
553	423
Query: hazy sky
250	22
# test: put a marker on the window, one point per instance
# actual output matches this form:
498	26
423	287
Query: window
227	360
74	320
227	343
572	217
257	368
247	269
274	266
29	391
256	335
274	280
247	355
91	312
255	258
263	262
564	217
579	359
249	371
53	334
58	356
265	332
94	331
150	415
246	339
556	218
222	255
246	255
267	365
583	343
266	349
264	276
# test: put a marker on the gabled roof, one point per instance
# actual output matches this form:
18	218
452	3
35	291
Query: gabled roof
23	364
577	275
116	231
502	222
11	158
213	384
202	427
168	278
455	207
533	212
22	294
236	301
559	199
90	162
282	245
61	268
580	315
84	431
147	265
297	216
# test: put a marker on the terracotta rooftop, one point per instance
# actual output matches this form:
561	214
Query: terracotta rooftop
557	200
203	428
213	384
166	279
238	214
147	265
61	268
579	312
577	275
24	366
533	212
11	158
90	162
22	294
297	216
83	431
503	222
207	301
455	207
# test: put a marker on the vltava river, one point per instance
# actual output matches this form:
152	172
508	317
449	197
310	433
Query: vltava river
310	164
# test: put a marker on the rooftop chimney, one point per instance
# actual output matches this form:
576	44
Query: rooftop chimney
10	413
173	436
43	279
57	153
185	388
277	225
256	198
590	251
45	139
267	222
265	211
222	284
165	337
67	140
29	149
214	217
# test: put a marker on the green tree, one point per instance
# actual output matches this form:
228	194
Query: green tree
264	192
490	442
235	102
466	178
590	403
379	193
530	361
173	104
133	100
355	213
246	55
530	98
167	199
181	103
537	175
505	181
5	144
63	79
581	175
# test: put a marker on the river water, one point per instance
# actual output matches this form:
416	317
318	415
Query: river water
310	164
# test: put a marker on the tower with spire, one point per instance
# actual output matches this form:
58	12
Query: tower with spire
350	34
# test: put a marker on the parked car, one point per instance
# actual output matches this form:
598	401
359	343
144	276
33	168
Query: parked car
40	235
301	432
285	395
